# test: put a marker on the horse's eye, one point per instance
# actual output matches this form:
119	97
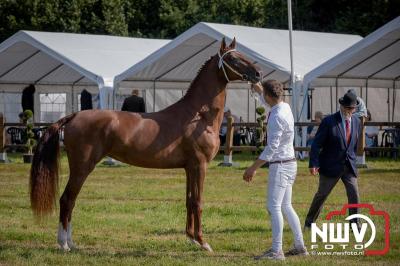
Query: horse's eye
235	63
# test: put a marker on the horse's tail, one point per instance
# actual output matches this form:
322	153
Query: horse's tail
44	170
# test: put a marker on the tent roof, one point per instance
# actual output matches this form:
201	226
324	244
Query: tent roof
66	58
374	62
180	59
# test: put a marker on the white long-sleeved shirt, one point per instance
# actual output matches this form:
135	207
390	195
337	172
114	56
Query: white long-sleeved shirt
280	133
361	109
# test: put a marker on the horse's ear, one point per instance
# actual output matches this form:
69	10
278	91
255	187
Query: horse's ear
223	45
233	43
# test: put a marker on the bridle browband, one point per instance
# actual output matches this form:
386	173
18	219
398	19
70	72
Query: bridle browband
222	63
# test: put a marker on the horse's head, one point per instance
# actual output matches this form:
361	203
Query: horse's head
235	65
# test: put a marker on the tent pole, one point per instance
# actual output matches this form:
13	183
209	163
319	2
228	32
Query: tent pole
394	99
366	93
72	99
336	93
154	96
388	102
114	95
248	105
330	90
292	85
37	105
311	105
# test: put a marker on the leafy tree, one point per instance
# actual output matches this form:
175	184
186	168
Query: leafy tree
103	17
143	18
169	18
354	17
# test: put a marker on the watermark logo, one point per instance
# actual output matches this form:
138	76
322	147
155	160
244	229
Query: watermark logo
334	235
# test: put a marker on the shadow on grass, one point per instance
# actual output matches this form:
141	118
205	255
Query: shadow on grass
381	170
118	165
28	252
190	254
249	229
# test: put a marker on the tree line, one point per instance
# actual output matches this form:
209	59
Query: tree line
169	18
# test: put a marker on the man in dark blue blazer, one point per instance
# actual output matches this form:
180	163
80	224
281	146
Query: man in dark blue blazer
333	156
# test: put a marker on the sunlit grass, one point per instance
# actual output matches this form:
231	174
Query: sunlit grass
132	216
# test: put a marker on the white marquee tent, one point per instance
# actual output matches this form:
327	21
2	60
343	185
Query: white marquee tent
68	63
176	64
64	63
372	66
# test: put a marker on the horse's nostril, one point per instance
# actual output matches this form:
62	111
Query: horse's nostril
258	74
245	77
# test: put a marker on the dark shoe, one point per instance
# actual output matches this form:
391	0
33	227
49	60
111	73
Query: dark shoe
306	228
297	252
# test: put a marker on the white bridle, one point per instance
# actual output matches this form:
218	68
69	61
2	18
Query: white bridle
222	63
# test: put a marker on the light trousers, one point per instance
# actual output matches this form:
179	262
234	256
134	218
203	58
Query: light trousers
279	200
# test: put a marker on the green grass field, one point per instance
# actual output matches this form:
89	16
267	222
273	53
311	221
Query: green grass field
132	216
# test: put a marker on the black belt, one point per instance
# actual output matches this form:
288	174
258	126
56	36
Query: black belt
284	161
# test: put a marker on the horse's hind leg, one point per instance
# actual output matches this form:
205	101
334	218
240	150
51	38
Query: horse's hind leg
196	173
78	173
67	203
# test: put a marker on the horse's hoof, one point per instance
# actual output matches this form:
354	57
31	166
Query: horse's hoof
204	246
194	241
207	247
64	247
71	245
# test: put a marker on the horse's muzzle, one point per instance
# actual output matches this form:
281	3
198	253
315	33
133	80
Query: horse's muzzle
257	77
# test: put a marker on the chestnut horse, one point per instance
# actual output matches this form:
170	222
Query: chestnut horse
184	135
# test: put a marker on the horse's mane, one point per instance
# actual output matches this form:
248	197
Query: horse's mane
197	77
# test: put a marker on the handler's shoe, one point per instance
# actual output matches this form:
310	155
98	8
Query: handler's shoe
271	255
297	252
306	228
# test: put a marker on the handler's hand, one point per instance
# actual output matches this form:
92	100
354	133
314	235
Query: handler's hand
314	170
249	174
257	87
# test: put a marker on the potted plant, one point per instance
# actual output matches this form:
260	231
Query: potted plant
260	129
30	135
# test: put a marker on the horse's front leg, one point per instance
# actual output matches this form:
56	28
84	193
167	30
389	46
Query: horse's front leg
189	210
196	174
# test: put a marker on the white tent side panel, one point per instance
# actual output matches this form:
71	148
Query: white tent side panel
321	101
61	99
377	103
396	116
165	98
236	101
10	106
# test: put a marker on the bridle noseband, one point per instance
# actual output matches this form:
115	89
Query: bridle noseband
222	63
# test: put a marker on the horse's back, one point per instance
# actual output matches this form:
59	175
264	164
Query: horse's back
138	139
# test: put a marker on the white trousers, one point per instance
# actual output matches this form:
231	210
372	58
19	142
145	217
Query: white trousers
279	199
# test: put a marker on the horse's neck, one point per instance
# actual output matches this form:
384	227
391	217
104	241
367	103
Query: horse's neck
207	92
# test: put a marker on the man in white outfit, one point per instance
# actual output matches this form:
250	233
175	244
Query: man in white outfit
279	153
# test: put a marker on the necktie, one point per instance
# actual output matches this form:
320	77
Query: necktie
348	133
